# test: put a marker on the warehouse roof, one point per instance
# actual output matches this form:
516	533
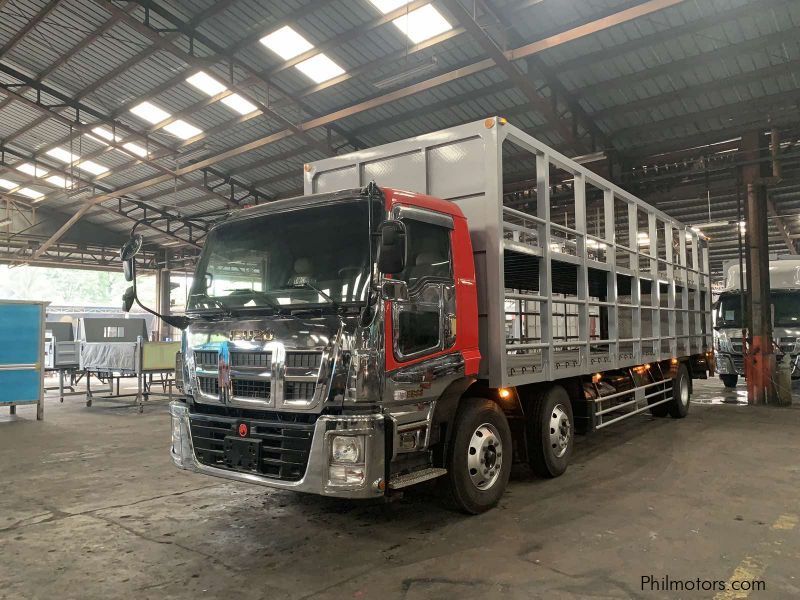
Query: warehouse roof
94	99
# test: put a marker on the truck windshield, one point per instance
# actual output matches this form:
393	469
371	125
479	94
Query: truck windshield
728	312
786	307
311	256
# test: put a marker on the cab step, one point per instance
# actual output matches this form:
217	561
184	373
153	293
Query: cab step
402	481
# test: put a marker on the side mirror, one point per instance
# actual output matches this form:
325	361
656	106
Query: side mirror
131	248
394	289
392	248
127	269
127	299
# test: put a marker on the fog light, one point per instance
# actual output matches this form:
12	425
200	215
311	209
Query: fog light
344	475
347	449
176	435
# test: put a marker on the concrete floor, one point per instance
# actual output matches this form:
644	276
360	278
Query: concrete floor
91	507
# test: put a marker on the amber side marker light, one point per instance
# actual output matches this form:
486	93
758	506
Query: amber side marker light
597	377
504	393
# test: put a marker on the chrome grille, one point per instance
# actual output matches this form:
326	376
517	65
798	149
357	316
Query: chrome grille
787	344
298	390
208	385
206	358
247	388
285	441
308	360
251	359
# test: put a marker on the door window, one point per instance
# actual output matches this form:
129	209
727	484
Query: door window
428	254
418	322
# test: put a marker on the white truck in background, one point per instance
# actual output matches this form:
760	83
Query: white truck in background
784	276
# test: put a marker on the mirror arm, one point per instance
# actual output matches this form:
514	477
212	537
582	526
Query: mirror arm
174	321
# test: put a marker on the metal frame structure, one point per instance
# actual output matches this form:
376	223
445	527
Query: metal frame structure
538	75
464	164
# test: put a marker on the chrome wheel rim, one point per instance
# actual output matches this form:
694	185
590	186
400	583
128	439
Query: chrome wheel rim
560	431
484	456
684	391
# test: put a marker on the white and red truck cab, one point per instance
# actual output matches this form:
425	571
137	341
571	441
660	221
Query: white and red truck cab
417	315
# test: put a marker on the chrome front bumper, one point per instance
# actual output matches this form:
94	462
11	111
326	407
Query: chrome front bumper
733	364
316	479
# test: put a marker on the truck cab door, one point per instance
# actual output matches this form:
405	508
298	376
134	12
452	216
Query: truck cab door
424	325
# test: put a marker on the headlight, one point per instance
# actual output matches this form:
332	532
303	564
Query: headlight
347	449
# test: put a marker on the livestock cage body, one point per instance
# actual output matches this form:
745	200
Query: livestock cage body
575	275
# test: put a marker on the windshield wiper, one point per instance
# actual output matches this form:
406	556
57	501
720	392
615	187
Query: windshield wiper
203	297
311	286
261	295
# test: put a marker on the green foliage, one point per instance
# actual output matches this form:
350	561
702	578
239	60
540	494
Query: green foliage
70	287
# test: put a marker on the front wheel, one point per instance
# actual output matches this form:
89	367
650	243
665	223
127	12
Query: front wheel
479	457
729	381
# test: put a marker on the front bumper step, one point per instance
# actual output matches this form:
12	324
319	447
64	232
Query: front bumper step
402	481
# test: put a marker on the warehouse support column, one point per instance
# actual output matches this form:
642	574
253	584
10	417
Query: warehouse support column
760	359
164	304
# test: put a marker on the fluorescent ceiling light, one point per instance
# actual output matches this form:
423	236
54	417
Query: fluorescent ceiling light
210	86
32	169
387	6
62	155
150	112
320	68
8	185
130	146
105	134
206	83
30	193
135	149
92	167
422	24
5	222
286	43
239	104
182	129
59	181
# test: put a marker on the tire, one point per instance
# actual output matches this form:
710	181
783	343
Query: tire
481	440
678	407
729	381
551	433
660	410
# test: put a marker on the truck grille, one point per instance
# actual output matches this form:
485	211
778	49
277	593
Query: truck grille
787	344
309	360
209	385
251	359
246	388
285	442
206	358
298	390
738	362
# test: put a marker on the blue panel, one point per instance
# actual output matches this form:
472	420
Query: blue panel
20	333
20	386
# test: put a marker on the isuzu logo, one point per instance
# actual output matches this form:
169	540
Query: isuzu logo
252	335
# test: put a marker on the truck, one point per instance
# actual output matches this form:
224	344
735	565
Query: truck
434	308
731	305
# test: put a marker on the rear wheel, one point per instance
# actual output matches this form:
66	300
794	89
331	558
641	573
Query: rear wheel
479	457
729	381
678	407
551	433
